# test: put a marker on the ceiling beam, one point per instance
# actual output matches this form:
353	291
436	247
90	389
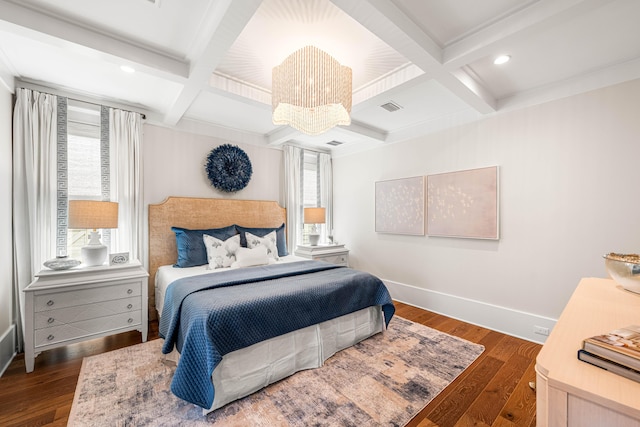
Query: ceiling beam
232	17
362	130
399	31
37	25
281	135
522	23
355	130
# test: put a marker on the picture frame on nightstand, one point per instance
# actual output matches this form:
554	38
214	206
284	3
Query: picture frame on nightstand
119	258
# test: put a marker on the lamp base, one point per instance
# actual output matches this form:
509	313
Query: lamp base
95	253
314	239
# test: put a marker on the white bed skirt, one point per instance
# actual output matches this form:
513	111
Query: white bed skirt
245	371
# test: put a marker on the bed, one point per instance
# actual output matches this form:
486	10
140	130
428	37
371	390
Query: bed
323	308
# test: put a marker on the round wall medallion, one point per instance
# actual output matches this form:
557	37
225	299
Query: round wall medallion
228	168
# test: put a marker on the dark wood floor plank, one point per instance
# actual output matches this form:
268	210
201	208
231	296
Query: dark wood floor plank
491	401
467	420
520	408
44	397
461	397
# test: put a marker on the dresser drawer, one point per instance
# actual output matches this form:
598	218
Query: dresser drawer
70	331
70	306
75	297
339	259
61	316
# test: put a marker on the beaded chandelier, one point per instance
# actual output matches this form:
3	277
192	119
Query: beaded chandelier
311	92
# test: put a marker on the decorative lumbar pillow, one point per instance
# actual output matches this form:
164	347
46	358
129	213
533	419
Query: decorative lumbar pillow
281	239
268	241
191	250
246	257
221	253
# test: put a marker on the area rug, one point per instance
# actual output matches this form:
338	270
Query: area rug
384	380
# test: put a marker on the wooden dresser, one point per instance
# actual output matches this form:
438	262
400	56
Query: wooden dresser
574	393
69	306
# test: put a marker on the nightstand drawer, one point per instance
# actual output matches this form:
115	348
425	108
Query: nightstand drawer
56	334
340	259
46	302
61	316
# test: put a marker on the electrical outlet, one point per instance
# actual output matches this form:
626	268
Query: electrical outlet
540	330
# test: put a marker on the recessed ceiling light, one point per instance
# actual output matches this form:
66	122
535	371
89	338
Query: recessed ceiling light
502	59
127	69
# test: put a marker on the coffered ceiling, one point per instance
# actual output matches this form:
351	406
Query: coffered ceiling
205	65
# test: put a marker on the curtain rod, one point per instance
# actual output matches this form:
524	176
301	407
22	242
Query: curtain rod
77	97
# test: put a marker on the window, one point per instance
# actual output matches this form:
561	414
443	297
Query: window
309	183
84	172
312	191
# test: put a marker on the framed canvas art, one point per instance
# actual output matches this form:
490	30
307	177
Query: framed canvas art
400	206
463	204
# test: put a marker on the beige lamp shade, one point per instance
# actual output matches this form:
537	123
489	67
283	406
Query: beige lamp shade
314	215
92	214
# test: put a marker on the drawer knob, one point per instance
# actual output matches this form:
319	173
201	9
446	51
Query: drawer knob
130	320
50	320
50	337
50	303
130	306
129	291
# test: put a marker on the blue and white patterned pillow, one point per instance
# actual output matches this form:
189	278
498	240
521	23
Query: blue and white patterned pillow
190	245
268	241
221	253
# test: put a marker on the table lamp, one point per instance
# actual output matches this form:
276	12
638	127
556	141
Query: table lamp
92	214
314	216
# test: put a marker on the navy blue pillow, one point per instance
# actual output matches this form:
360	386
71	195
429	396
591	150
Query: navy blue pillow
191	249
281	239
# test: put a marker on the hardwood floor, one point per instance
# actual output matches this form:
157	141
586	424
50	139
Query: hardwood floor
494	391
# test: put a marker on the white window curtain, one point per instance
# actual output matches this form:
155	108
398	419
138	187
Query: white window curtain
38	215
293	195
34	190
325	178
125	135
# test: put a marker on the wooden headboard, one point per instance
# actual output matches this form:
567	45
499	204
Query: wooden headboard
196	213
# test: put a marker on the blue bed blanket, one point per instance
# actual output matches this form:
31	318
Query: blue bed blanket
208	316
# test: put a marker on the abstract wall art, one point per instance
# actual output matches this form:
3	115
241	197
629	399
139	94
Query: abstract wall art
463	204
400	206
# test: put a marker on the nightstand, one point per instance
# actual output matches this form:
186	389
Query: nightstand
68	306
336	254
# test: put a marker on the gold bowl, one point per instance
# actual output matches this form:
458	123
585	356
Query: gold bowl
624	269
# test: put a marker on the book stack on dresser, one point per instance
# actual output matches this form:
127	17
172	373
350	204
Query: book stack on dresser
617	351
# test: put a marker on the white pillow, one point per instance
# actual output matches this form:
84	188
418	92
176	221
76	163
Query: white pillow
221	253
268	241
246	257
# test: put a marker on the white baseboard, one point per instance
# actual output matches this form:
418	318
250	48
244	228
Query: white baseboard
508	321
7	348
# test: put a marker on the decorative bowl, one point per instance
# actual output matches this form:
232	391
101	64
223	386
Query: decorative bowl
61	263
624	269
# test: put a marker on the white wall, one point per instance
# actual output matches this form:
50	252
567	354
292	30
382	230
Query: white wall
6	252
569	175
174	165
